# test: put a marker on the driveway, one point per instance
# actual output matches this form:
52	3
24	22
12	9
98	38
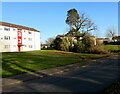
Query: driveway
91	79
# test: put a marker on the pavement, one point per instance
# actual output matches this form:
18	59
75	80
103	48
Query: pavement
91	76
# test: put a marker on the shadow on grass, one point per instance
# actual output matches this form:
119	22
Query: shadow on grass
18	63
90	82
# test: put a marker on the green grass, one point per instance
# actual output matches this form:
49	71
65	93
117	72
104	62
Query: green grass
15	63
111	48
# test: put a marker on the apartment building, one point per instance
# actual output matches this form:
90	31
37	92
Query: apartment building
16	38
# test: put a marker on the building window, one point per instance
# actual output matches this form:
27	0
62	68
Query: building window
30	39
7	37
14	29
24	38
14	38
7	46
7	29
29	32
0	28
19	41
19	34
30	46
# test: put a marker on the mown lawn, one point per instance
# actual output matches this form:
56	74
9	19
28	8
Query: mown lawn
14	63
111	48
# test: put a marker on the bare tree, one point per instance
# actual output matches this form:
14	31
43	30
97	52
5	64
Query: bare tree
111	32
49	41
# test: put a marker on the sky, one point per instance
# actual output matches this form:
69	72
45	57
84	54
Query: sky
49	17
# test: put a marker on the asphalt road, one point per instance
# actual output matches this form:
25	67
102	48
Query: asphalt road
87	80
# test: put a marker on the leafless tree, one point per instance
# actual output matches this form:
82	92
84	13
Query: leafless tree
111	32
49	41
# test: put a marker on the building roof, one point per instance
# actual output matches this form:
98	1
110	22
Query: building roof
104	39
17	26
93	36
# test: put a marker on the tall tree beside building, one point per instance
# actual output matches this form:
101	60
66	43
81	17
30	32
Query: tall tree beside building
79	23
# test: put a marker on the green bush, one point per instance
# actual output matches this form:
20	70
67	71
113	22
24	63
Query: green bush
56	43
67	44
79	47
74	44
87	41
83	44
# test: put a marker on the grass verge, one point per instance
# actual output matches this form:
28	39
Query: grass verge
14	63
111	48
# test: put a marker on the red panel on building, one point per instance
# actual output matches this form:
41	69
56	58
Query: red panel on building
19	37
19	40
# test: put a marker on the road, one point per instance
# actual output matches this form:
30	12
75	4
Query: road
92	79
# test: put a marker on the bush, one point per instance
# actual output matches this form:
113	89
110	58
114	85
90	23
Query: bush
56	43
79	47
87	41
66	44
98	50
74	44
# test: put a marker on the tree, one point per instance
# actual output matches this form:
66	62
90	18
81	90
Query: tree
57	42
77	39
50	41
111	32
79	23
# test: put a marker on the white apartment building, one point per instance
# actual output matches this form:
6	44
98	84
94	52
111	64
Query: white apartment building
16	38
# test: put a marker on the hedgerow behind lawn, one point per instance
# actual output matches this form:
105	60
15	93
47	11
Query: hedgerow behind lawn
14	63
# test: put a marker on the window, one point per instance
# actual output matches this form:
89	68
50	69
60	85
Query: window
14	38
24	38
30	46
14	29
19	34
7	37
0	28
19	41
7	46
7	29
30	39
29	32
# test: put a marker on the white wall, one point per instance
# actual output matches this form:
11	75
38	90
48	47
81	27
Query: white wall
13	42
37	40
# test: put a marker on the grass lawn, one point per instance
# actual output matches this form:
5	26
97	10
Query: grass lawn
111	48
15	63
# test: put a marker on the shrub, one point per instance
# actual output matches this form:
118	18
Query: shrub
79	47
98	50
56	43
87	41
66	44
